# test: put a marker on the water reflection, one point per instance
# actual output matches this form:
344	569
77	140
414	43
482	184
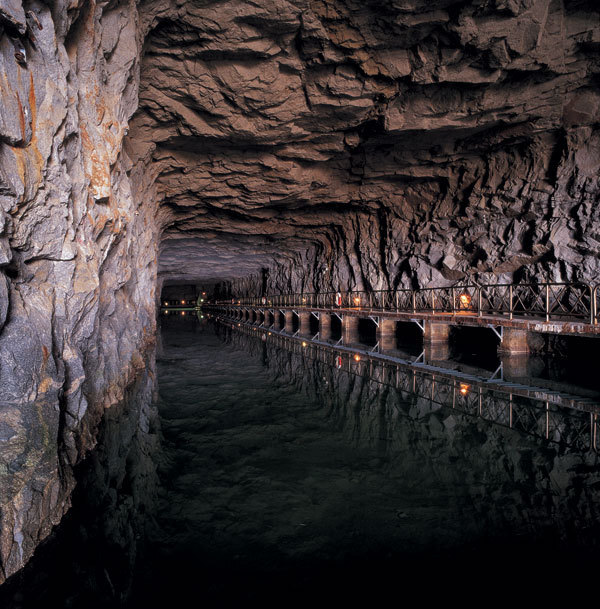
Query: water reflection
523	458
543	412
290	472
89	560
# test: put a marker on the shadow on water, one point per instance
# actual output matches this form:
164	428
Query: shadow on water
285	474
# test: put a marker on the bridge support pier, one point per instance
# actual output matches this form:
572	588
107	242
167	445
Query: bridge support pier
350	329
324	326
304	322
513	342
288	322
435	333
386	334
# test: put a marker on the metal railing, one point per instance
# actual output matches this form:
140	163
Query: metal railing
550	301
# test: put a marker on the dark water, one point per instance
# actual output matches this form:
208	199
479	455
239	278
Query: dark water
273	474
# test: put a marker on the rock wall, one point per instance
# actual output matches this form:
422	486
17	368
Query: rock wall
375	144
78	249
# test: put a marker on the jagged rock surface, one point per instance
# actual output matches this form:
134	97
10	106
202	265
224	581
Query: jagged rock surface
375	144
77	250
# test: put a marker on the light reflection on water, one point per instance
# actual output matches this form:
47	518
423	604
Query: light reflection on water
291	471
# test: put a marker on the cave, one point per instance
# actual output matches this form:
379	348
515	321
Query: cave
382	214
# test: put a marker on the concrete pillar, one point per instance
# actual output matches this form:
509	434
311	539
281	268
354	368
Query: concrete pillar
436	333
513	341
350	329
289	321
324	325
386	333
304	322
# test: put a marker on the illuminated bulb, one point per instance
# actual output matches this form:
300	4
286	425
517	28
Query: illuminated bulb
465	300
166	303
357	301
464	388
357	358
183	302
303	343
183	312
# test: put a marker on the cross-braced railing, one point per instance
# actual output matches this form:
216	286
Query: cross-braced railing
549	301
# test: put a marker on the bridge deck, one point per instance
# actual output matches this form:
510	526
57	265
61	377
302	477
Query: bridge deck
462	318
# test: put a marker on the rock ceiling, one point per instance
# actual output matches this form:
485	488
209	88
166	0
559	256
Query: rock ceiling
405	140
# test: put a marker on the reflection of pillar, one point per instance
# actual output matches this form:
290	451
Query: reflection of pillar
304	322
324	325
515	366
436	351
288	324
350	329
513	341
436	333
386	333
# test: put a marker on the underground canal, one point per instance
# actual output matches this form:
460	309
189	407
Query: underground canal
269	468
299	299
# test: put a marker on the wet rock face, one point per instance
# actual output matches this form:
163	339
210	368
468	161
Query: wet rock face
77	249
375	144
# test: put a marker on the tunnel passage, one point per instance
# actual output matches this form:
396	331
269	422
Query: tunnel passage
266	148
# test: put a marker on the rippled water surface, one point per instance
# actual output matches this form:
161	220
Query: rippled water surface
266	473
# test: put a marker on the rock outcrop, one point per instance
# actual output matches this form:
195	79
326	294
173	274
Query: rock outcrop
280	145
78	250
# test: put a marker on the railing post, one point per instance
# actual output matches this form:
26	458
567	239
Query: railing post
510	298
433	301
547	302
371	300
592	305
414	301
453	300
397	302
479	301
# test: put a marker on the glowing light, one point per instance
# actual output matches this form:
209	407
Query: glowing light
183	302
464	388
203	293
182	313
202	300
303	343
166	304
465	300
303	299
357	301
357	358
